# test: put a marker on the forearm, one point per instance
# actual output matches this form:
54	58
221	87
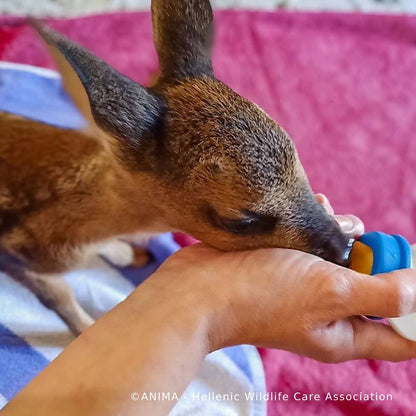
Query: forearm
154	341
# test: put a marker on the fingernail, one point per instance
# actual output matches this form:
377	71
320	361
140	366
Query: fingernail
347	225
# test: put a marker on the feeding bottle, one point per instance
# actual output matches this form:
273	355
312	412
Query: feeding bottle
377	252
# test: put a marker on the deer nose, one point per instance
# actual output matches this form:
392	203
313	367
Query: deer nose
332	245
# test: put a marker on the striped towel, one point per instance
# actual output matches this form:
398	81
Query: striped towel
230	381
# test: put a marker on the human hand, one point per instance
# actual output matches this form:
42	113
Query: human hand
350	224
294	301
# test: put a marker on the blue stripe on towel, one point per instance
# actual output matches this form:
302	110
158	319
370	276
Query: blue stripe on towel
239	356
19	363
36	96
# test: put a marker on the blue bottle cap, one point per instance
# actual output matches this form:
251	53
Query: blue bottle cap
391	252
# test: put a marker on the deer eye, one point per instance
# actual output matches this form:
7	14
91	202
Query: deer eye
250	223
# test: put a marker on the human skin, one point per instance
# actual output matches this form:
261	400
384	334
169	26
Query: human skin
201	300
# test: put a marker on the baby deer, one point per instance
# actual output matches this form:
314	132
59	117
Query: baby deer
186	154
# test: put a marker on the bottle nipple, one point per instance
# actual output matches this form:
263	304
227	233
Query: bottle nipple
361	258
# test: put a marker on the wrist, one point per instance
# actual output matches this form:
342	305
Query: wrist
187	301
167	306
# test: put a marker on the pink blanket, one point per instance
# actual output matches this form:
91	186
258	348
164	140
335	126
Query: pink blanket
344	87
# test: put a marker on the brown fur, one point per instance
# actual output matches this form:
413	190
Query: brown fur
187	154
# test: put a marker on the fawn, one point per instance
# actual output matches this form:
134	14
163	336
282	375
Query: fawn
186	154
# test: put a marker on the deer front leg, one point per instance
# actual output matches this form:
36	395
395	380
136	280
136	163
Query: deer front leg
51	290
122	254
56	294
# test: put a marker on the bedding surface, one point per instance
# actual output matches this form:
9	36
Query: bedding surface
344	88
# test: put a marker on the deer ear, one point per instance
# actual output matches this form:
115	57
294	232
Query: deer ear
182	32
117	104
